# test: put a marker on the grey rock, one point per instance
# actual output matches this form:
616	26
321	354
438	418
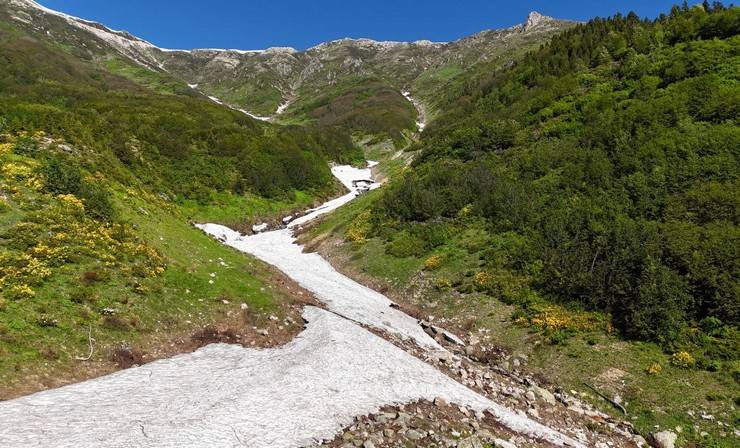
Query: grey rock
545	395
470	442
414	434
440	402
500	443
663	439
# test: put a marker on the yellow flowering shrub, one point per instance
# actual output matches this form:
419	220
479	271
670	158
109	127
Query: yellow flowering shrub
72	201
502	284
442	283
358	229
482	279
654	369
433	262
683	360
556	317
19	292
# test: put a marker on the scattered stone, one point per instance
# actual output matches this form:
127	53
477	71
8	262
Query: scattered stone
413	434
452	338
470	442
545	395
530	396
440	402
257	228
663	439
500	443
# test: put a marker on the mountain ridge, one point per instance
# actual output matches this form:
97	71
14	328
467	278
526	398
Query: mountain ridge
533	20
277	81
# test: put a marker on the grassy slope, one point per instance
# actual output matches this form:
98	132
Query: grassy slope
596	357
41	335
368	105
675	397
144	278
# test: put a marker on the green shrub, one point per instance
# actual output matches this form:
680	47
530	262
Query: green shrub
61	176
404	244
25	146
97	201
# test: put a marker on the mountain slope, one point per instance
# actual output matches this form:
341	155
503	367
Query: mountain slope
311	85
99	177
581	207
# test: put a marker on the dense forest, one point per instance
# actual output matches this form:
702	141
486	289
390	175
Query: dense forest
604	167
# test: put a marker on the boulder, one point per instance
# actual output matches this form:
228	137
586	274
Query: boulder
257	228
663	439
545	395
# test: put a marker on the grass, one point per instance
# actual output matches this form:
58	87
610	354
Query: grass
260	98
232	210
121	297
144	77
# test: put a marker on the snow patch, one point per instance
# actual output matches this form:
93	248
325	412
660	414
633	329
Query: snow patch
223	395
226	395
421	123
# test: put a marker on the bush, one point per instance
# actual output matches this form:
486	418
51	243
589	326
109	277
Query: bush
359	228
19	292
404	244
61	176
97	200
433	262
654	369
683	360
25	146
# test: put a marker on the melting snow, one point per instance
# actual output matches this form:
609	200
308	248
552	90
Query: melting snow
227	395
421	124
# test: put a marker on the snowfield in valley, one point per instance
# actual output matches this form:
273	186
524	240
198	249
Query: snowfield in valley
227	395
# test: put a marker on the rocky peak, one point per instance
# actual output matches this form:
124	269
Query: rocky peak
534	19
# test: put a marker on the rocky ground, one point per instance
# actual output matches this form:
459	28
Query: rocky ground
500	377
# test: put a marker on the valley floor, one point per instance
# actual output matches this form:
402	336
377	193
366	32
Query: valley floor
338	368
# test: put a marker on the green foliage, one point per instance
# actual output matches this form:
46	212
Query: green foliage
612	153
170	139
365	105
63	176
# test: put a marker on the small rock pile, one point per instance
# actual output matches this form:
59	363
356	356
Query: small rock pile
428	424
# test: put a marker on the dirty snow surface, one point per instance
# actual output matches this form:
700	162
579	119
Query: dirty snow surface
227	395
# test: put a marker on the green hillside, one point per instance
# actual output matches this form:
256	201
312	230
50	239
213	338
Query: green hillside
585	196
101	167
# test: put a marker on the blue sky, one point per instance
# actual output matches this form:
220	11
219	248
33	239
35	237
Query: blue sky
255	24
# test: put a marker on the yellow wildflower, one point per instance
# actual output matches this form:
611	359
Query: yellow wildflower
433	262
654	369
683	360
